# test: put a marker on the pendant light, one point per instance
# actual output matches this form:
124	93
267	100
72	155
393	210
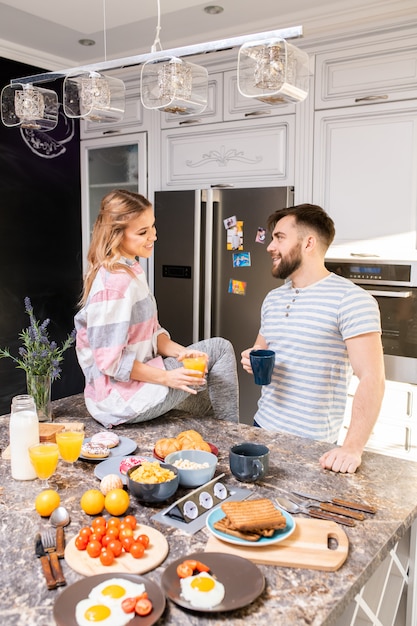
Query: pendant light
171	84
273	71
28	106
93	96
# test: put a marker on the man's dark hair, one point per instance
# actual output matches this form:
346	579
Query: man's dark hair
310	215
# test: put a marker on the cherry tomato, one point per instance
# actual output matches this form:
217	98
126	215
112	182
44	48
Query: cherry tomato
113	531
125	532
96	536
106	556
115	546
93	548
143	606
113	522
99	521
105	540
85	531
81	542
191	563
128	605
143	539
183	570
137	550
201	567
127	542
131	520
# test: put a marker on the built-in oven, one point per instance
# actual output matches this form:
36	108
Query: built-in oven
394	285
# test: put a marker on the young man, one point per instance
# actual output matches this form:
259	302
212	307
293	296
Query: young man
320	326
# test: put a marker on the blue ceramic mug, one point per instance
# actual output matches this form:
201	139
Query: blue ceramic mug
262	364
249	461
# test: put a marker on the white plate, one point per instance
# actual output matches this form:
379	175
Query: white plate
112	466
126	446
279	535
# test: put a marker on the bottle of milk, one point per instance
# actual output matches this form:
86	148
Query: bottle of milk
24	432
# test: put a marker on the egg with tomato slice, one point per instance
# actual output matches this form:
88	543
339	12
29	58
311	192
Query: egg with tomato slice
114	590
90	611
202	591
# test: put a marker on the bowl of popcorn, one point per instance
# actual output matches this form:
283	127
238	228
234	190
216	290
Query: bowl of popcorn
195	467
152	481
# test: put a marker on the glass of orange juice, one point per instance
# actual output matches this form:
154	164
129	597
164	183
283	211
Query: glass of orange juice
198	364
69	443
44	458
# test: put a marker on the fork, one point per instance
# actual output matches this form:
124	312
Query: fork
330	508
49	543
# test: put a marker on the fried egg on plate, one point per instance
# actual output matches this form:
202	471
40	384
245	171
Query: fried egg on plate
114	590
202	591
90	611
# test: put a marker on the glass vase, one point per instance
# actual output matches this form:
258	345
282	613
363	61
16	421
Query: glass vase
39	387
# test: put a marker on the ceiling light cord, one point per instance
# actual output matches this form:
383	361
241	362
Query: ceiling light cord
157	41
104	30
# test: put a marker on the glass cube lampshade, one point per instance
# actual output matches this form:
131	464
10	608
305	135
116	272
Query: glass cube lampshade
273	71
95	97
28	106
174	86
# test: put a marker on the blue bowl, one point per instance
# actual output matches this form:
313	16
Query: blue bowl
153	492
194	477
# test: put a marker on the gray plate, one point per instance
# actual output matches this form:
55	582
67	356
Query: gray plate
243	581
126	446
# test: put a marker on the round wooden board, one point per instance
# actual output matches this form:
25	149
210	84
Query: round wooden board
155	553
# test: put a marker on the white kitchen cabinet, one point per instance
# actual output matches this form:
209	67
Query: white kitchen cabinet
135	116
364	176
259	153
109	163
377	72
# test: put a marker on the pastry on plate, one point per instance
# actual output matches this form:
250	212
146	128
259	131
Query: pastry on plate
105	438
94	451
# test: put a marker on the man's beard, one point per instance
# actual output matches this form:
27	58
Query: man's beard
289	264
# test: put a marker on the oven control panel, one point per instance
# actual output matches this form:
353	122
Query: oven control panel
372	272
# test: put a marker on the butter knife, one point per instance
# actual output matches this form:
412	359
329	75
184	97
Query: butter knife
46	565
350	504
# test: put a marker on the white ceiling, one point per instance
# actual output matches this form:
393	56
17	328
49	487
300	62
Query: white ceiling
45	33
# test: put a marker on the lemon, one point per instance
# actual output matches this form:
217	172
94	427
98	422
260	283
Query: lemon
46	501
117	502
92	502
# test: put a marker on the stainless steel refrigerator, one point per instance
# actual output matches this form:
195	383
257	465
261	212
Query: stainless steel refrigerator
212	270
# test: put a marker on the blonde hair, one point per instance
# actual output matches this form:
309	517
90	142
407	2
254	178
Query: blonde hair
117	209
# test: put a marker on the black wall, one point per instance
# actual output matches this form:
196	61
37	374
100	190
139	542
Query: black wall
40	238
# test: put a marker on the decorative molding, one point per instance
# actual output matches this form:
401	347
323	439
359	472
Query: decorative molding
222	157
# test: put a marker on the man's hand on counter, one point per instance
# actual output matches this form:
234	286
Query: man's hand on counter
341	460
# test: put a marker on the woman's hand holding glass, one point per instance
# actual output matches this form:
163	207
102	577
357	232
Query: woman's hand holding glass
197	363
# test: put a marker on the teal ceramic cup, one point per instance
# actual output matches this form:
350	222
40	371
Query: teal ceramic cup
249	462
262	364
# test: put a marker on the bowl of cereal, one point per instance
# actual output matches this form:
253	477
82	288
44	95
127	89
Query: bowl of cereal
195	467
152	481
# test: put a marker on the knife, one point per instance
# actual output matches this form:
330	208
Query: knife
350	504
46	566
321	514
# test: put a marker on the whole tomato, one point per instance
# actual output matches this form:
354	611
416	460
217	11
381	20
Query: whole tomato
94	548
137	550
106	556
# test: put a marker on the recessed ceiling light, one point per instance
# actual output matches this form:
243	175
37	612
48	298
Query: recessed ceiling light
213	9
87	42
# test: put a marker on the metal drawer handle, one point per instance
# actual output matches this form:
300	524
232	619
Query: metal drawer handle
391	294
194	121
255	113
370	98
111	132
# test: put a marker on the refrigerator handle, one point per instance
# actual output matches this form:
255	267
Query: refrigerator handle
208	263
196	264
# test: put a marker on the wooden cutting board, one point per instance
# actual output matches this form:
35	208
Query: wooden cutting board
307	547
155	553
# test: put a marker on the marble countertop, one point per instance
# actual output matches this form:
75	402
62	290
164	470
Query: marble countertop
291	596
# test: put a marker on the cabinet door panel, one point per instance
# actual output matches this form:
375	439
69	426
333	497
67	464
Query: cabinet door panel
256	154
365	163
373	73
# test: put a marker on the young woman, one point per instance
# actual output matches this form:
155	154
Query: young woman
132	368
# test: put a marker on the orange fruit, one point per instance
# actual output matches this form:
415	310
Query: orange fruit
46	501
92	502
117	502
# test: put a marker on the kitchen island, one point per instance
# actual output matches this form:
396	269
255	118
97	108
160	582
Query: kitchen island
292	596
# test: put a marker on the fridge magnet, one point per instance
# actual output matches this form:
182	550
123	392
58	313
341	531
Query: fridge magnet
260	235
235	237
229	222
237	287
241	259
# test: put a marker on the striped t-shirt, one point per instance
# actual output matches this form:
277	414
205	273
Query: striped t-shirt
307	329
